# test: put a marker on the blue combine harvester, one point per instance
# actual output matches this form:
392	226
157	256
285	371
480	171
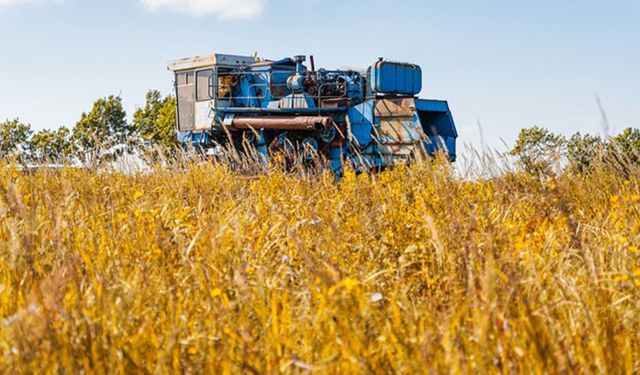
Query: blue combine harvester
371	119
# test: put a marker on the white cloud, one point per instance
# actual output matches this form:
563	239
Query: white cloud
5	3
225	9
8	3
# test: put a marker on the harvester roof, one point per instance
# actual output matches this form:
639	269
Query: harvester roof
195	62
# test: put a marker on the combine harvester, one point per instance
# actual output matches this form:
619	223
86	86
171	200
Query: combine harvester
370	119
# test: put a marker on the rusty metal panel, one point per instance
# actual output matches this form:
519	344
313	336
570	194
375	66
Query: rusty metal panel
394	121
395	107
396	131
282	122
399	149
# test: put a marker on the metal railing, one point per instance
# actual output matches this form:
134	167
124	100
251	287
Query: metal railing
268	89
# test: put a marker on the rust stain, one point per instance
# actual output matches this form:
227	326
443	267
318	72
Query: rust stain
403	107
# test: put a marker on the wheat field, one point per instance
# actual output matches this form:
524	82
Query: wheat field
413	270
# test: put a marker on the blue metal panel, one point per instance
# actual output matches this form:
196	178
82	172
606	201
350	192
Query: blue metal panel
194	139
361	118
450	142
432	105
249	98
335	155
436	144
436	118
396	78
437	123
270	110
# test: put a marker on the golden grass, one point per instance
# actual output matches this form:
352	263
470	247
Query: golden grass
407	271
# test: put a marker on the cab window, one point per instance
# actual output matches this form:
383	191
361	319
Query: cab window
203	85
185	87
226	81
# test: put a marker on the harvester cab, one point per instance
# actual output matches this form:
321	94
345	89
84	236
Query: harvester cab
371	119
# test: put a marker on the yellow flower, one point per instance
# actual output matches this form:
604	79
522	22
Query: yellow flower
349	284
621	277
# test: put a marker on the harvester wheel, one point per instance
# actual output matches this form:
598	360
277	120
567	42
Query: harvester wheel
327	135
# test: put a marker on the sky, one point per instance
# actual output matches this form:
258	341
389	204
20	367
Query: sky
502	65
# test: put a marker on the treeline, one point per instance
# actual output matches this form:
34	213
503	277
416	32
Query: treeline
100	135
104	133
541	152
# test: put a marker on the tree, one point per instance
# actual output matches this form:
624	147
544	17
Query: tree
51	145
13	138
99	131
538	151
623	150
583	151
156	122
628	142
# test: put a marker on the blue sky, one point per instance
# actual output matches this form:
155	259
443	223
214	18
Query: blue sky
503	65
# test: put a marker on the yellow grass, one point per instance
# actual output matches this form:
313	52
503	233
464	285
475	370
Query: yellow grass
407	271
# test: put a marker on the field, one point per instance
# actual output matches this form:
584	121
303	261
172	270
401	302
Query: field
412	270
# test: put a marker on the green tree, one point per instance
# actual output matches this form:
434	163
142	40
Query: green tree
51	145
156	121
13	138
623	150
538	151
628	142
103	128
583	151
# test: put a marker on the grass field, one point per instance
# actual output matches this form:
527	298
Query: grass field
407	271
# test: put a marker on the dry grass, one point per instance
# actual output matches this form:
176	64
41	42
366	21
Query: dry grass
407	271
